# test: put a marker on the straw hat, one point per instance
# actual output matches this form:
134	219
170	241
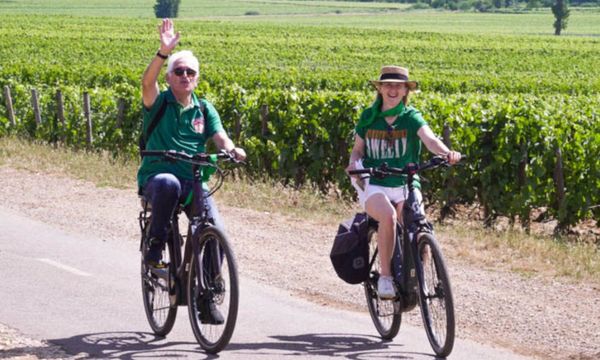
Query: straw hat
395	74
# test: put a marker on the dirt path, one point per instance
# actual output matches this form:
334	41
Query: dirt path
535	316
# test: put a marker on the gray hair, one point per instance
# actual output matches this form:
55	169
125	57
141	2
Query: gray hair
184	54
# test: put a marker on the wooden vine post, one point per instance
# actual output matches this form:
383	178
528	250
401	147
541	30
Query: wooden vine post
238	126
264	116
10	112
448	202
88	117
559	185
60	115
36	107
120	112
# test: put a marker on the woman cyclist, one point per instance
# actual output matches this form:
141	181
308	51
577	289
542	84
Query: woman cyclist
390	131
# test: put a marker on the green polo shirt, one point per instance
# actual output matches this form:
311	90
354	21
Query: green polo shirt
397	145
179	129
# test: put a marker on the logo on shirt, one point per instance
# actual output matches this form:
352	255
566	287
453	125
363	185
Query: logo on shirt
198	124
386	144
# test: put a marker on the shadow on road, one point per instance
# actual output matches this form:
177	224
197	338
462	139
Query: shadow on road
350	346
133	345
128	345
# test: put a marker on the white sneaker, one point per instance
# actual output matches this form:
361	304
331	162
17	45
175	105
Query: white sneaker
385	288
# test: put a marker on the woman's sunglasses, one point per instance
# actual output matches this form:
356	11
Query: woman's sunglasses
187	71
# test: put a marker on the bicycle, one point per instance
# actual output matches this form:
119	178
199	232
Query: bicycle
419	270
204	272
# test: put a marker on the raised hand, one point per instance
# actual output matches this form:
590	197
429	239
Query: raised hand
168	38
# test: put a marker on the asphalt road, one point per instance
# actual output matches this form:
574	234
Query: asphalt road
83	294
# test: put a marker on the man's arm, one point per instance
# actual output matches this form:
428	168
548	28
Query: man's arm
223	142
168	41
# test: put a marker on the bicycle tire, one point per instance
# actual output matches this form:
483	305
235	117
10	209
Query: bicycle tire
224	292
386	314
158	292
435	297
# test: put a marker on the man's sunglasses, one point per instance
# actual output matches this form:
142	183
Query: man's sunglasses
187	71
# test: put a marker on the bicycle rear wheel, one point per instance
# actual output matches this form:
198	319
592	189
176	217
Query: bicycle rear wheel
159	292
214	286
386	314
435	297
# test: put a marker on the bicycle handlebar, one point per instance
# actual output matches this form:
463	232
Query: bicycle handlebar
201	159
411	169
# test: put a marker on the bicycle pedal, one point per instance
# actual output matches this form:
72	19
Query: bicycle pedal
160	272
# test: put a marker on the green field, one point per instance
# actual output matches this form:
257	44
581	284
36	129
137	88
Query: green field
389	16
98	51
192	9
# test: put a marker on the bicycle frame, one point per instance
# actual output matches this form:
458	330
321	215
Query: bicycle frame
406	265
198	220
419	278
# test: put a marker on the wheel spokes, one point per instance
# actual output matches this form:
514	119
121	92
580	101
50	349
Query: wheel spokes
434	297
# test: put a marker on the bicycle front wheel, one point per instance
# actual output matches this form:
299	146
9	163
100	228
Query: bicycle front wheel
386	314
435	296
159	293
212	290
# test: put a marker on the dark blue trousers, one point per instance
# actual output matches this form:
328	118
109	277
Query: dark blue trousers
164	192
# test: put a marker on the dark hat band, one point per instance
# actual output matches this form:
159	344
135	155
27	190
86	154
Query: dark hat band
393	77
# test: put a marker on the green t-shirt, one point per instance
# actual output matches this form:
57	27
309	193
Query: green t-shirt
397	145
179	129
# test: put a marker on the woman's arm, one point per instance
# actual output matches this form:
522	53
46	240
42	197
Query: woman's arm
436	146
357	153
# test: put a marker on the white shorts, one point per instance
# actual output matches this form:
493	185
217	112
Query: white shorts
394	194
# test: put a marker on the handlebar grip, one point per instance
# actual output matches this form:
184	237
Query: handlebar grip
360	171
437	160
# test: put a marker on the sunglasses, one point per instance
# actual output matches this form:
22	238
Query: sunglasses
186	71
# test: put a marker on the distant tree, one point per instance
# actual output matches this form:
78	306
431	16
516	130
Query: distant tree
533	4
166	8
482	5
561	13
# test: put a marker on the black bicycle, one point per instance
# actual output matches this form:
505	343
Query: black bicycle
419	269
199	269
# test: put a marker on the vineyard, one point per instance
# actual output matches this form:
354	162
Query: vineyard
523	108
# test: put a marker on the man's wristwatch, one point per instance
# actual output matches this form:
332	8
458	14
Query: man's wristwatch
164	57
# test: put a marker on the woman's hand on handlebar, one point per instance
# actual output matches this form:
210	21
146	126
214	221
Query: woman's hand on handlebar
351	167
453	157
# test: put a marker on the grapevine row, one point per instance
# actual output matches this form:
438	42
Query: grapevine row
511	140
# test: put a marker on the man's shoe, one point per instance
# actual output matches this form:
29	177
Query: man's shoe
385	288
154	255
209	314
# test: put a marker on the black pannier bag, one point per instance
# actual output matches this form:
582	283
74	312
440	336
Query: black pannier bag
350	252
